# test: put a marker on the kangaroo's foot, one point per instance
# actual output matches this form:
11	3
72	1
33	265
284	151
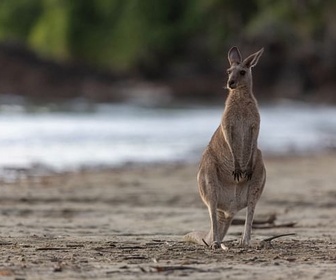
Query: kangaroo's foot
215	245
202	238
244	243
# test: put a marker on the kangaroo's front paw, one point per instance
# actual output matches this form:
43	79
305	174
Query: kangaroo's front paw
215	245
237	174
248	174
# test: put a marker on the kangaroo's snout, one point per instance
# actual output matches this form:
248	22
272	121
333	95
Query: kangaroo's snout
232	84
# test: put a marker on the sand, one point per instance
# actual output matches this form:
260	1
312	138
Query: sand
128	223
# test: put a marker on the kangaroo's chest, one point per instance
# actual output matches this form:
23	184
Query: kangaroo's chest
242	114
240	119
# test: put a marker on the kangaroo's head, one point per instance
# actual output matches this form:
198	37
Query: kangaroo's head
240	74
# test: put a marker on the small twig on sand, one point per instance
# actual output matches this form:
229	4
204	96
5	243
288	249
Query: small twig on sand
266	223
267	242
205	242
174	268
259	226
51	248
268	220
277	236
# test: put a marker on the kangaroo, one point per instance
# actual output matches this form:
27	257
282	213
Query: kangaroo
231	173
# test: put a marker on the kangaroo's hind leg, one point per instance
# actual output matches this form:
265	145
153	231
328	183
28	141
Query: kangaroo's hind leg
224	222
255	189
214	226
208	184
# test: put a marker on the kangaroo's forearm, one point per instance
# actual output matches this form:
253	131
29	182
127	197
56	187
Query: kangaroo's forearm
228	136
250	147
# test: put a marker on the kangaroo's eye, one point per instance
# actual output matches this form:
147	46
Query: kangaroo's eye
242	72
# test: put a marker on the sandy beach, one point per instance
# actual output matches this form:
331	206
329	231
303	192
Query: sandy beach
128	223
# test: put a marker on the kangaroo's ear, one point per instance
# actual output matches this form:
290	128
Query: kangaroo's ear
252	60
234	56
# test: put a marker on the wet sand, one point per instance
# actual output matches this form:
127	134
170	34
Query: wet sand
128	223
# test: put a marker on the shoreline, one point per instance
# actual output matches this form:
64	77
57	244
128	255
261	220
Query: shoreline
44	170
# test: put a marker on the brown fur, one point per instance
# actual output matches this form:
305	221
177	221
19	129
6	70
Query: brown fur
232	174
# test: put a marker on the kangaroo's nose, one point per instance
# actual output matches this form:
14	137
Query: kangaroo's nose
232	84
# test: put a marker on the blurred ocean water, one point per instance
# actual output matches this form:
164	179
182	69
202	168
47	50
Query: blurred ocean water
118	134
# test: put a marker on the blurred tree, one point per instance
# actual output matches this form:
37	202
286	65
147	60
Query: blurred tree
17	18
50	32
151	35
123	34
129	33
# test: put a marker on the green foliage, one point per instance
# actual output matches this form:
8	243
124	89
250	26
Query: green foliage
49	34
124	35
17	18
288	19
